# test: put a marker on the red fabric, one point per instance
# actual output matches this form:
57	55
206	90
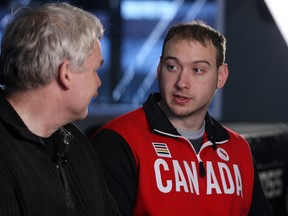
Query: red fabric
169	181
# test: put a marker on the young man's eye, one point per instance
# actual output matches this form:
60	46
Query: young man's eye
197	70
172	67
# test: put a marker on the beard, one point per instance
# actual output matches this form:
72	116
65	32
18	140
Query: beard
175	111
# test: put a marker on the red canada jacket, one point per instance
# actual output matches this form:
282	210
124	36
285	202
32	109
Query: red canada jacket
152	170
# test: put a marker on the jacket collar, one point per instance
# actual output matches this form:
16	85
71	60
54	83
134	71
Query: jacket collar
158	121
10	117
13	121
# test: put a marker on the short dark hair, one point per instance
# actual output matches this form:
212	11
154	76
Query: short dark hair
199	31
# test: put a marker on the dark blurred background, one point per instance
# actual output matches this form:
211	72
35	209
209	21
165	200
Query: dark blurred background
254	100
257	54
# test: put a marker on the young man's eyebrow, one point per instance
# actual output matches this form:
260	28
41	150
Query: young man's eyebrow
194	62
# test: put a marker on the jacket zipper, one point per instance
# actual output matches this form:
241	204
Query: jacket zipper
60	163
68	198
200	162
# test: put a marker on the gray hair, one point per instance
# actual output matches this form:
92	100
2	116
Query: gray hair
36	42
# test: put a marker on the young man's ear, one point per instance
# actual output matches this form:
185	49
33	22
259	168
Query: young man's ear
222	75
64	74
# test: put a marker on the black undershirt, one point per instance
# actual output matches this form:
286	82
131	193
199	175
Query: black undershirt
195	137
196	144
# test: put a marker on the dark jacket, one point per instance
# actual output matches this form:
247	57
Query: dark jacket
35	183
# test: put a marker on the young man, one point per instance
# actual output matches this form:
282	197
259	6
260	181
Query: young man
50	57
170	157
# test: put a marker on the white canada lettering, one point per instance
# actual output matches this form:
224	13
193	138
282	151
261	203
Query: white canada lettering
224	170
184	177
192	176
179	177
212	182
239	189
165	189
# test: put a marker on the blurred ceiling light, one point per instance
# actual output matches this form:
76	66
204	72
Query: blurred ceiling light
279	11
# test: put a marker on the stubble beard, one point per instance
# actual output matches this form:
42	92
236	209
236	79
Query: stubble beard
177	112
